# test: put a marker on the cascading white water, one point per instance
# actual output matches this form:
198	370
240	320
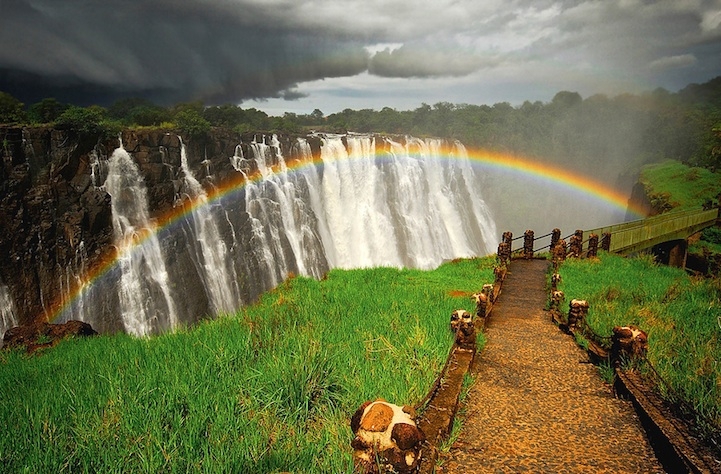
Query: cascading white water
211	252
373	202
144	292
409	208
7	311
280	214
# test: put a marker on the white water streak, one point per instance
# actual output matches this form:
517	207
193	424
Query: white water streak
143	273
8	319
211	253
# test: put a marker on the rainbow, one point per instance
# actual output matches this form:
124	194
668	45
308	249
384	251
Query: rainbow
539	171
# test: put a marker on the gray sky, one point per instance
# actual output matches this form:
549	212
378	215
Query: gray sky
299	55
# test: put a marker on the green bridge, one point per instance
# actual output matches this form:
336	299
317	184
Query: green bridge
672	228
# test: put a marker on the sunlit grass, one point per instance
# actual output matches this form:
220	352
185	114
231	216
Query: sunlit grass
681	315
685	187
269	389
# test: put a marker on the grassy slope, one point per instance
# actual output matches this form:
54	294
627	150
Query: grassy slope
269	389
686	187
681	315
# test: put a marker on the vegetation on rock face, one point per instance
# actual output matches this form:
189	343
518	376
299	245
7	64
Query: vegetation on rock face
269	389
681	315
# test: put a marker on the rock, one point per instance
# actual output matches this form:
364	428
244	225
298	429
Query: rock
628	342
36	336
387	439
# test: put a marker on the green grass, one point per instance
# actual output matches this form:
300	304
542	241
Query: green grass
681	315
269	389
681	186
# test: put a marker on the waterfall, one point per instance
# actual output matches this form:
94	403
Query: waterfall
408	206
7	311
282	218
372	202
207	245
144	291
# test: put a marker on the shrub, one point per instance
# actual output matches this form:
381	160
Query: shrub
11	109
712	235
46	111
190	122
88	121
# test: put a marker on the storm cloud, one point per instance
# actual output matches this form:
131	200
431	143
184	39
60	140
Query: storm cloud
228	51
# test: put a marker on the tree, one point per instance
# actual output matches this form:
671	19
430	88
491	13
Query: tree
191	122
565	99
85	120
11	109
317	117
46	111
138	111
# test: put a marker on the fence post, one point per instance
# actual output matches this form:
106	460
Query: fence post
628	343
592	246
504	254
528	244
577	311
606	241
576	244
559	253
555	237
507	237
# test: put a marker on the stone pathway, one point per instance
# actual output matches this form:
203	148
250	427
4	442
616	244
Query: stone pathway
538	404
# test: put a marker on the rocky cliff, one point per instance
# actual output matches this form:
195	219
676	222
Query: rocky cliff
55	214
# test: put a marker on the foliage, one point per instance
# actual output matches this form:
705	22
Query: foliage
46	111
680	186
681	316
269	389
138	112
712	235
11	109
192	123
91	120
595	135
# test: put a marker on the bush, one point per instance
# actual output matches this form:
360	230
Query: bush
712	235
46	111
80	119
11	109
190	122
88	121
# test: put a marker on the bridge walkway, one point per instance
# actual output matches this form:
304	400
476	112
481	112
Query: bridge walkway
538	405
638	235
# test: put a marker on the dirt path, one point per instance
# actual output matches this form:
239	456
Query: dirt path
538	405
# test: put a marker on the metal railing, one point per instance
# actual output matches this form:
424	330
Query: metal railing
634	236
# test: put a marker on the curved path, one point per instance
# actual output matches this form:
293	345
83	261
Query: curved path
538	405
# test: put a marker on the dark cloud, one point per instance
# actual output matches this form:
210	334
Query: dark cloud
426	61
226	51
168	53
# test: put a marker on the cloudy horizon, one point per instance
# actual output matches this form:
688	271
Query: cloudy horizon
297	56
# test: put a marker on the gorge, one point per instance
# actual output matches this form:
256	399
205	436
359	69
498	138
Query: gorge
145	232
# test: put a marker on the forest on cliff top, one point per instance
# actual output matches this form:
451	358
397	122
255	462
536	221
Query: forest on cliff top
623	132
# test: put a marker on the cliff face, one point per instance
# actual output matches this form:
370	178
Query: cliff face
47	207
55	215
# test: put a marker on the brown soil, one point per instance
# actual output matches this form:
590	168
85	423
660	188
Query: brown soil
458	293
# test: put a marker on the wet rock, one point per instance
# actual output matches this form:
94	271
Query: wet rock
37	336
